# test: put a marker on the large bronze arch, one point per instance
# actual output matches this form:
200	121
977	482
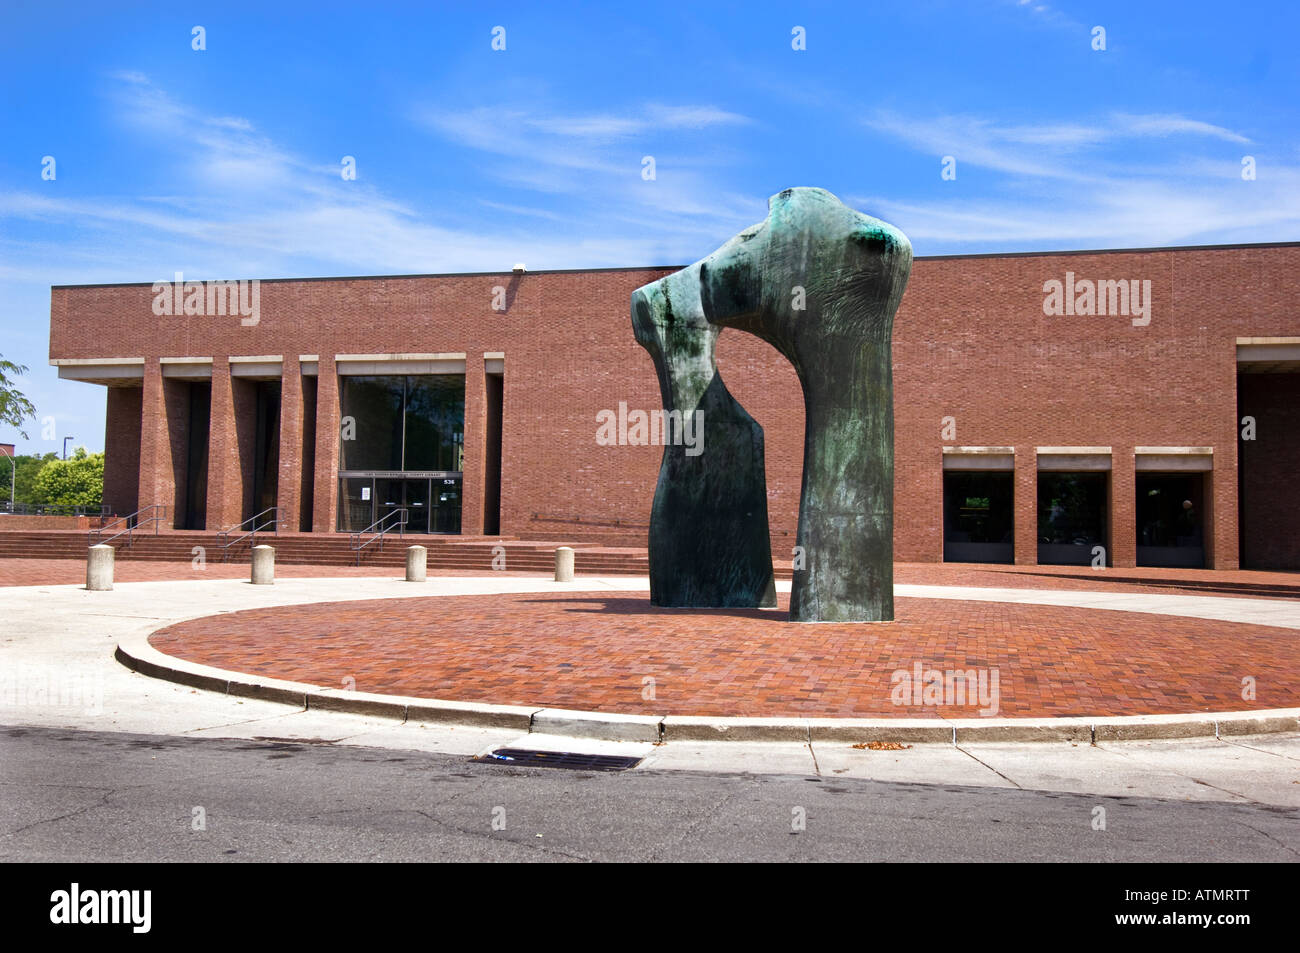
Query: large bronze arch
821	283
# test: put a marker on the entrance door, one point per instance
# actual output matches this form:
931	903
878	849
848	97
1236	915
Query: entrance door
417	505
413	495
445	506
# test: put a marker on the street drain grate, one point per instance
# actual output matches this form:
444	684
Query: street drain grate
528	758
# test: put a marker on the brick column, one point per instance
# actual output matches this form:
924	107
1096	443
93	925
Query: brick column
1220	516
471	500
1123	509
289	480
122	449
157	483
325	495
225	478
1025	505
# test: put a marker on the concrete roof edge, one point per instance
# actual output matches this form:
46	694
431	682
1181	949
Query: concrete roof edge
670	268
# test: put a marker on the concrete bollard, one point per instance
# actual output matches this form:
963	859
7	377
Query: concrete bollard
263	565
564	564
417	560
99	568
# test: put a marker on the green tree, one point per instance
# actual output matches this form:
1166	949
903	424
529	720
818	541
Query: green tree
14	407
78	481
27	467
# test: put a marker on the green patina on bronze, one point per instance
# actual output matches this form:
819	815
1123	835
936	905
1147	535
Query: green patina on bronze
821	283
708	540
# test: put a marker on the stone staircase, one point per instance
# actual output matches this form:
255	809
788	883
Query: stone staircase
334	549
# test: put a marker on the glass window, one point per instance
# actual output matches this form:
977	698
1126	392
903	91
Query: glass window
356	504
978	516
1169	520
1072	515
402	423
372	438
435	422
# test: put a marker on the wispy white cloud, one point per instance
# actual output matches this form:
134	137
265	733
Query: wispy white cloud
1124	179
1125	213
246	205
1045	150
596	162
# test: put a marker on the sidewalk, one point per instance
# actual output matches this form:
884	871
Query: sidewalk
58	671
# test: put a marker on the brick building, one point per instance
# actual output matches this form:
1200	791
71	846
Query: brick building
471	402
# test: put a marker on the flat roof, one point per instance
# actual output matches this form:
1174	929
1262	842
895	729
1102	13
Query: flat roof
572	271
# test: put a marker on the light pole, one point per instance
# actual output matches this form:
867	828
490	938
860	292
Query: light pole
65	446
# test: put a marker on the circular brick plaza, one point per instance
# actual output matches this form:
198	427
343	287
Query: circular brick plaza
613	652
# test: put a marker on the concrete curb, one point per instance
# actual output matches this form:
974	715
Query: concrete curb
135	652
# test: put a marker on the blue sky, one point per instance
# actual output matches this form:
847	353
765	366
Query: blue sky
225	163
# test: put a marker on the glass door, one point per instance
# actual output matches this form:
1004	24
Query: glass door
445	516
417	505
388	499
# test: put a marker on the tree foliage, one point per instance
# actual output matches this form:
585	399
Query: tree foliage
27	466
77	481
14	407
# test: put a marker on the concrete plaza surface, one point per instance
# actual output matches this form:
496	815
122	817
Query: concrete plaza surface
58	670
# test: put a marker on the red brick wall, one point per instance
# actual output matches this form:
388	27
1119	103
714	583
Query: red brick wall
971	341
15	523
122	450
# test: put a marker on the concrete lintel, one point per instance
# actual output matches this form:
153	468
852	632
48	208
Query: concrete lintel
187	371
1187	459
403	366
95	361
1280	349
1061	451
262	369
979	458
258	359
1073	458
103	373
423	356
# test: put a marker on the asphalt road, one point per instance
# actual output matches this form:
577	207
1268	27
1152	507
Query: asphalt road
84	796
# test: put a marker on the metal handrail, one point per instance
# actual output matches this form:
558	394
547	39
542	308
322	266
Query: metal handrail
225	542
53	509
379	528
131	522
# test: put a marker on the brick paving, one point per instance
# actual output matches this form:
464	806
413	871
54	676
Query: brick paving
56	572
1237	583
593	652
1209	582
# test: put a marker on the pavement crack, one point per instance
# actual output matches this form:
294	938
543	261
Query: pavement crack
691	828
1276	754
990	767
102	802
487	835
1286	847
817	768
236	724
